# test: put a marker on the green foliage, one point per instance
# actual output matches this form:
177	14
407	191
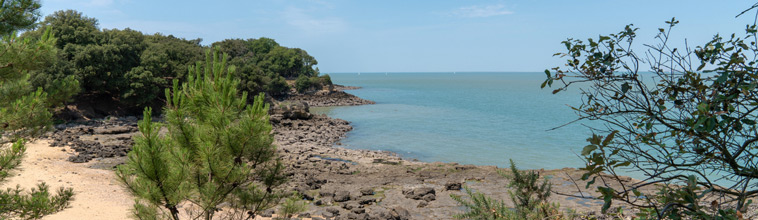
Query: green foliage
528	196
480	206
35	204
304	84
24	110
126	66
18	15
263	65
291	206
218	149
526	192
690	118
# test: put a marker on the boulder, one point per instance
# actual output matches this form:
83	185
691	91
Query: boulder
341	196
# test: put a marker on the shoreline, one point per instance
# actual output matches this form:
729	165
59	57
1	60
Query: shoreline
336	182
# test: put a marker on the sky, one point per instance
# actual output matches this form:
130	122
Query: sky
418	36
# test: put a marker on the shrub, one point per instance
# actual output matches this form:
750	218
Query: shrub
528	196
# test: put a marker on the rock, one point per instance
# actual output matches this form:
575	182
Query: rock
399	213
267	213
367	192
292	110
334	211
307	196
304	215
421	193
367	201
453	186
422	204
341	196
362	216
326	194
348	206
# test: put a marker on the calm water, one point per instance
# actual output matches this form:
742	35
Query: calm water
469	118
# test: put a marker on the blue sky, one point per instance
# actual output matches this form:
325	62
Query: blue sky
417	36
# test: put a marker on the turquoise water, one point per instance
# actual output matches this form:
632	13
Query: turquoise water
468	118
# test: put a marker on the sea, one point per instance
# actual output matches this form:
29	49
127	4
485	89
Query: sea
480	118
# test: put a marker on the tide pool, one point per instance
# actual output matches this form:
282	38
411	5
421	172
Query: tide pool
468	118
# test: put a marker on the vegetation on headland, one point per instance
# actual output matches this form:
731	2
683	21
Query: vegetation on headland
129	69
25	109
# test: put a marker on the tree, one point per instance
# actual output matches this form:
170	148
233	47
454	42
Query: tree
690	121
218	150
24	110
18	15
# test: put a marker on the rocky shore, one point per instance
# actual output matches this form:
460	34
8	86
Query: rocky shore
335	97
340	183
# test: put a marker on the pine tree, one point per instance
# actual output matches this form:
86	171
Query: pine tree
218	149
24	110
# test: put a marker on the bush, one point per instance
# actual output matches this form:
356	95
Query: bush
303	84
528	196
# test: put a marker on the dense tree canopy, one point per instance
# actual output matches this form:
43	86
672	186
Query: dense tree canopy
263	65
131	69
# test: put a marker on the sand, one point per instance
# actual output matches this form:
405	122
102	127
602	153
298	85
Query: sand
98	194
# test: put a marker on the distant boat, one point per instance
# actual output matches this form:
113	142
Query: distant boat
359	73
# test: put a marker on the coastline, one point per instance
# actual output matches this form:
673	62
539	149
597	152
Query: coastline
337	182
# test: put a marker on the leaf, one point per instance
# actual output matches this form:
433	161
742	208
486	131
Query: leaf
608	139
588	149
547	72
590	182
748	121
722	78
556	91
625	87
